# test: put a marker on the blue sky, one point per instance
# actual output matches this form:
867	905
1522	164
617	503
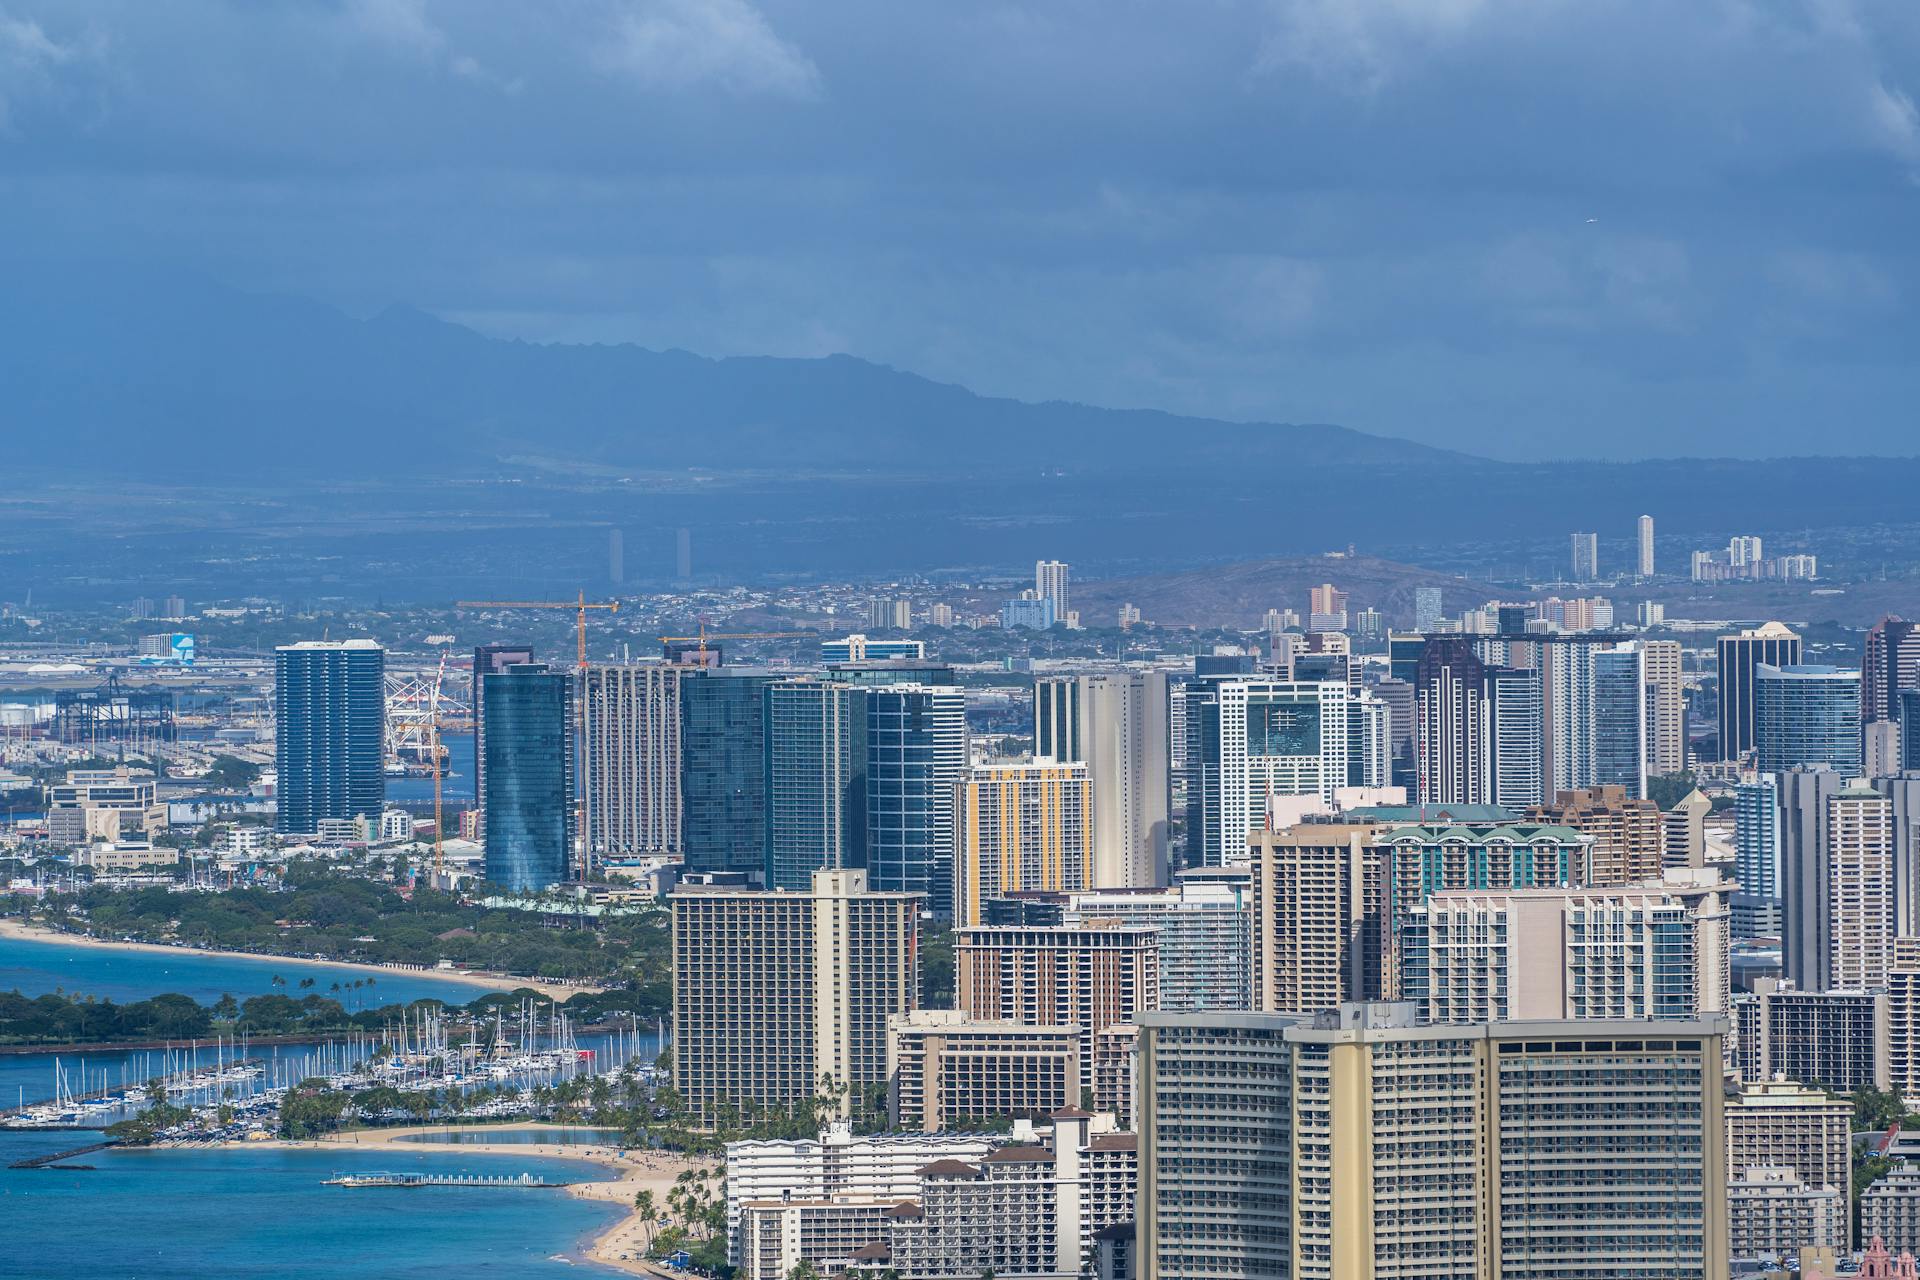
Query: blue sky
1528	228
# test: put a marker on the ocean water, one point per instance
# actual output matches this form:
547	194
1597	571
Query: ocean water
33	967
262	1214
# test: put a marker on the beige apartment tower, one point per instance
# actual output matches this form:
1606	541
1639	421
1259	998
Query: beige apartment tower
1319	911
1666	695
630	754
1860	887
775	992
1090	977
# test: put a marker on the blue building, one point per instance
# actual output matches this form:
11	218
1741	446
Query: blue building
858	648
1620	719
916	752
529	775
1756	836
816	735
723	770
1033	614
331	701
1806	715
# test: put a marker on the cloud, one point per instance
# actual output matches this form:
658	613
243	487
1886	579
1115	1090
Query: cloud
685	44
1358	45
29	59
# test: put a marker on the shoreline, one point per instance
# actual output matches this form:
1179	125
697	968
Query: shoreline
621	1246
479	983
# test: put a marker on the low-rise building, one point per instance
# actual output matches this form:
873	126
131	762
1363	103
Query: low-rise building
1890	1210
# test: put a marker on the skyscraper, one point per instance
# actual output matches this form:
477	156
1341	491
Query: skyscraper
1666	707
630	758
1738	655
1118	725
1805	885
816	735
723	772
1593	711
1258	739
1586	557
1756	836
773	991
1450	693
1645	532
1889	667
487	659
1860	888
916	751
1426	609
331	702
1319	903
1806	715
530	779
1515	712
1092	978
1620	702
1020	828
1050	583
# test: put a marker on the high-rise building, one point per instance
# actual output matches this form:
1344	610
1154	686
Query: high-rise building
487	659
1666	707
1859	888
1050	583
1783	1125
1644	533
946	1069
1903	1016
1834	1040
1357	1143
1620	728
1258	739
630	759
1889	668
1744	550
1629	841
530	776
1774	1213
1326	608
1425	857
1427	609
1685	829
1739	655
862	648
1903	792
1586	557
1756	836
774	991
1593	709
1019	828
1640	951
1201	929
916	752
1319	914
1118	725
330	700
1806	911
1806	715
1092	978
1478	728
723	769
816	736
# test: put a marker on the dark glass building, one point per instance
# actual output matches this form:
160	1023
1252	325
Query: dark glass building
487	659
816	736
529	775
1739	655
1806	715
331	700
916	751
723	770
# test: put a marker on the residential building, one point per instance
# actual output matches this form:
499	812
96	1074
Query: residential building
1629	839
1684	831
1118	725
1740	655
1357	1143
723	770
1586	557
1427	609
1889	667
630	759
1319	907
1805	880
946	1069
816	802
916	752
1090	978
1477	737
1666	713
1621	703
775	992
1837	1040
1756	836
1019	828
1114	1089
1050	582
330	703
1860	892
1890	1211
1643	532
1781	1124
1903	1017
1201	935
1774	1213
487	659
1258	739
1806	715
1643	951
530	776
1031	612
1902	791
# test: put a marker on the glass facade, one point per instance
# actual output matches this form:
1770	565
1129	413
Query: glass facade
331	700
816	735
1806	715
1756	836
916	751
1620	720
529	776
723	772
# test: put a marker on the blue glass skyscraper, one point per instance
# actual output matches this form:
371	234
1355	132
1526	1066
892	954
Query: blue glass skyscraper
331	700
529	775
1806	715
1756	836
723	770
916	751
816	736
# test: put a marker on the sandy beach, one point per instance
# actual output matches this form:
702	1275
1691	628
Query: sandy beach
621	1246
475	982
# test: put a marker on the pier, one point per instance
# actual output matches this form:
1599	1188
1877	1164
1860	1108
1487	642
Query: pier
358	1180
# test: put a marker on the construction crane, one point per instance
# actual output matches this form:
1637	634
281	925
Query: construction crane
581	605
706	635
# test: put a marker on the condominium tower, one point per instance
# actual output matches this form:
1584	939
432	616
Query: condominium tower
630	759
331	702
1739	656
1019	828
1117	724
530	776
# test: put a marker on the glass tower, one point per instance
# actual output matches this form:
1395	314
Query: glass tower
816	735
916	752
1756	836
1620	719
1806	715
723	770
529	775
331	699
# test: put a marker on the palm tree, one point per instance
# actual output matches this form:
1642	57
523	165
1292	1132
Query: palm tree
648	1210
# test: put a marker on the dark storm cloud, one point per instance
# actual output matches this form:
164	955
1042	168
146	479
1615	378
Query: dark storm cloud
1526	227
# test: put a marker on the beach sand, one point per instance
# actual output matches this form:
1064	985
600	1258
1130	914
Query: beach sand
635	1171
477	983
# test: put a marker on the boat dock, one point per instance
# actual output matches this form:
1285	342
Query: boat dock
438	1180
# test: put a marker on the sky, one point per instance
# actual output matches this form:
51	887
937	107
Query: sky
1523	228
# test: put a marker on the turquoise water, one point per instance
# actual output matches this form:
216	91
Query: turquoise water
254	1214
518	1137
33	968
